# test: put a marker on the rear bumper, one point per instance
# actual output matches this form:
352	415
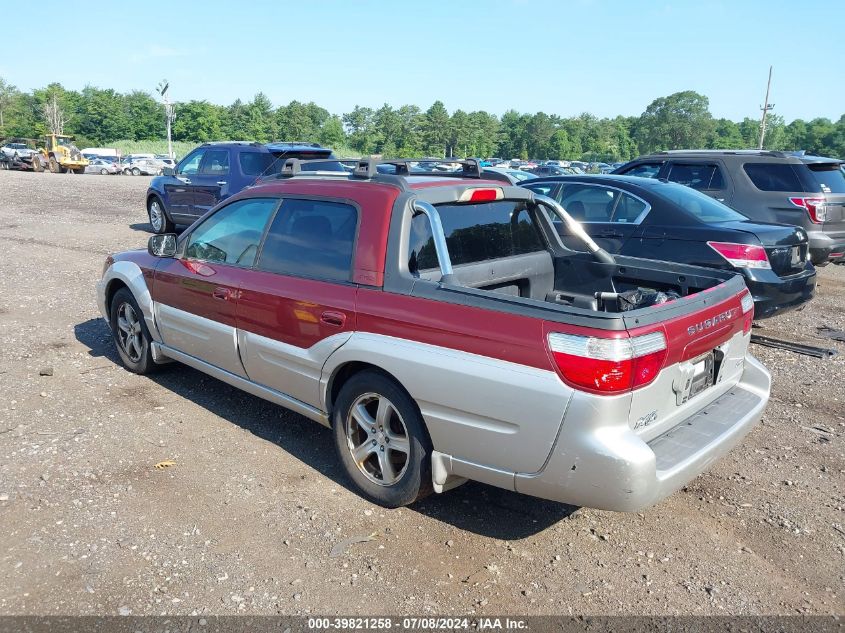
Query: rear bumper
612	468
823	244
775	295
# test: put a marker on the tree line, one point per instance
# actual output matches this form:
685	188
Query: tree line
98	116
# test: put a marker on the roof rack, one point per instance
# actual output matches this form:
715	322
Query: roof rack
252	143
752	152
296	144
368	167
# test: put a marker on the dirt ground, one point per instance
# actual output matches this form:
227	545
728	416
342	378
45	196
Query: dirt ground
252	515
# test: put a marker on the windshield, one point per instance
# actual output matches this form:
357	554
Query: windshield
695	203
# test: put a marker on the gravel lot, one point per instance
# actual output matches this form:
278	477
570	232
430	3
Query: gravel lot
253	514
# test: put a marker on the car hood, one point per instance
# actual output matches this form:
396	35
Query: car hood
768	233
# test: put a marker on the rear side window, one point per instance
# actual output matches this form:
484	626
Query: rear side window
311	238
773	176
697	175
644	170
254	163
830	177
475	233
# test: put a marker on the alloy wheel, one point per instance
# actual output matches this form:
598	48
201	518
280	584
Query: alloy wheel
377	439
156	215
129	332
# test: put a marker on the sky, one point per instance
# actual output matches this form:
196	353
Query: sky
562	57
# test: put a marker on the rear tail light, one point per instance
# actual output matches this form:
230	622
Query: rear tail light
747	312
481	195
608	365
742	255
815	207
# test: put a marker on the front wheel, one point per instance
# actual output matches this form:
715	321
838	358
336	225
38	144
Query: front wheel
382	441
158	217
130	333
104	172
54	166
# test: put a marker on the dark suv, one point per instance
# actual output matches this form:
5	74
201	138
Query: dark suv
215	171
784	187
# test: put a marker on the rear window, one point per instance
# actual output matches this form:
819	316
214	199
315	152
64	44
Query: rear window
698	204
773	176
830	176
475	233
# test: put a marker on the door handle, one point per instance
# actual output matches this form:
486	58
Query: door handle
187	181
336	319
221	183
222	293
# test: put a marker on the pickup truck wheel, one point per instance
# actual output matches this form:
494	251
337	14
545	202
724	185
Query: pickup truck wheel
382	441
158	217
130	333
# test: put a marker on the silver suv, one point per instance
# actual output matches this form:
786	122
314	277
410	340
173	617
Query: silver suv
782	187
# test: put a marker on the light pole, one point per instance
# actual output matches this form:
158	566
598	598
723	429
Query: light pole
765	108
161	89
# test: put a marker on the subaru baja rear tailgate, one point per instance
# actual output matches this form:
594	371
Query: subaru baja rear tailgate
628	451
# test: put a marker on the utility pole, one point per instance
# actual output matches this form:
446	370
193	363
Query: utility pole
161	89
765	108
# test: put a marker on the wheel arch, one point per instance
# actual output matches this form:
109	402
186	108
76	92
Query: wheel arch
346	371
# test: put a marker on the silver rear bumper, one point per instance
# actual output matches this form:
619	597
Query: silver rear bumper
612	468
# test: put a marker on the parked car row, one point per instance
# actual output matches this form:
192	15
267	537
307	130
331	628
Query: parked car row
786	187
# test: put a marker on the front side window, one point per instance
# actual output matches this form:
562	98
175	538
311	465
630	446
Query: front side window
311	238
475	233
697	175
190	164
232	235
216	162
644	170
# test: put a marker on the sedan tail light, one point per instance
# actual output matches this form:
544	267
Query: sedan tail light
608	365
816	208
742	255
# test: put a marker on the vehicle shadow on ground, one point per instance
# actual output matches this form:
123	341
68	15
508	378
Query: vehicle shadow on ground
144	227
473	507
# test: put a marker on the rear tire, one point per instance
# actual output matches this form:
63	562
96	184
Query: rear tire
381	440
37	165
130	333
158	216
136	171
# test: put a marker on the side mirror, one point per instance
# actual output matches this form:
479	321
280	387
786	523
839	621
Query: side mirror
168	171
162	245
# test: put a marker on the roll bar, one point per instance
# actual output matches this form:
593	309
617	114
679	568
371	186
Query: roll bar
574	227
439	237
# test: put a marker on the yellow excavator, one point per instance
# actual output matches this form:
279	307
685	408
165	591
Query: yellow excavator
59	155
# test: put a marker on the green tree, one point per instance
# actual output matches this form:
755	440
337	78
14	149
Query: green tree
198	121
435	130
145	116
259	123
102	117
726	135
331	133
8	96
361	127
680	121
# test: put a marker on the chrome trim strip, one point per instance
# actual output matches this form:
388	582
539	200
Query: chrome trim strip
260	391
